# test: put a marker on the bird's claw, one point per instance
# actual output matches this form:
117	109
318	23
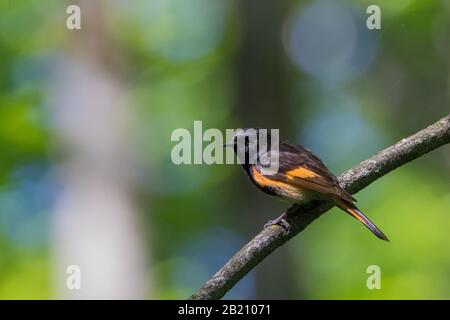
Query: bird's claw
280	221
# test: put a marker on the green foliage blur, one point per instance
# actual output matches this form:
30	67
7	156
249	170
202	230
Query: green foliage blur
310	68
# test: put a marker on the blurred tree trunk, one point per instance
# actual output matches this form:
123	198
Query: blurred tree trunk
263	102
95	225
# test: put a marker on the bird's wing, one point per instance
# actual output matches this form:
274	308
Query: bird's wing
299	167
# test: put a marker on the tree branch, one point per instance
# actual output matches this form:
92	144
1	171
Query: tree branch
300	217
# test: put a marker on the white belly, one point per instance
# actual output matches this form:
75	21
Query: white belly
299	196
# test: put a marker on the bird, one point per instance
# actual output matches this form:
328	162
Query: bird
301	176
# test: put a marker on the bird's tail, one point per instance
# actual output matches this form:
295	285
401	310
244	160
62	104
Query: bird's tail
351	209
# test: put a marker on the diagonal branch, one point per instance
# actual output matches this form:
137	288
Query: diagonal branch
300	217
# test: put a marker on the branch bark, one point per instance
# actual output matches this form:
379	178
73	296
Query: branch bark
300	217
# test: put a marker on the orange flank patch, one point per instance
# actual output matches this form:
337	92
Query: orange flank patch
301	173
282	189
265	182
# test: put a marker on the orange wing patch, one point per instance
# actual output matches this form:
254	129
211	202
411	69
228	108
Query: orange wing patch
301	173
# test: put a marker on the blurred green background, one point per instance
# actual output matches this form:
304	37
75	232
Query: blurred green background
86	118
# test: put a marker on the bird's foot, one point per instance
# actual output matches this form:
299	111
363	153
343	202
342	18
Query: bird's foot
280	221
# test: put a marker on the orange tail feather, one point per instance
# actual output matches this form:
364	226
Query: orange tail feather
351	209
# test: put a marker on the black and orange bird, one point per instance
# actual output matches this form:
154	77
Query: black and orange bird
300	177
